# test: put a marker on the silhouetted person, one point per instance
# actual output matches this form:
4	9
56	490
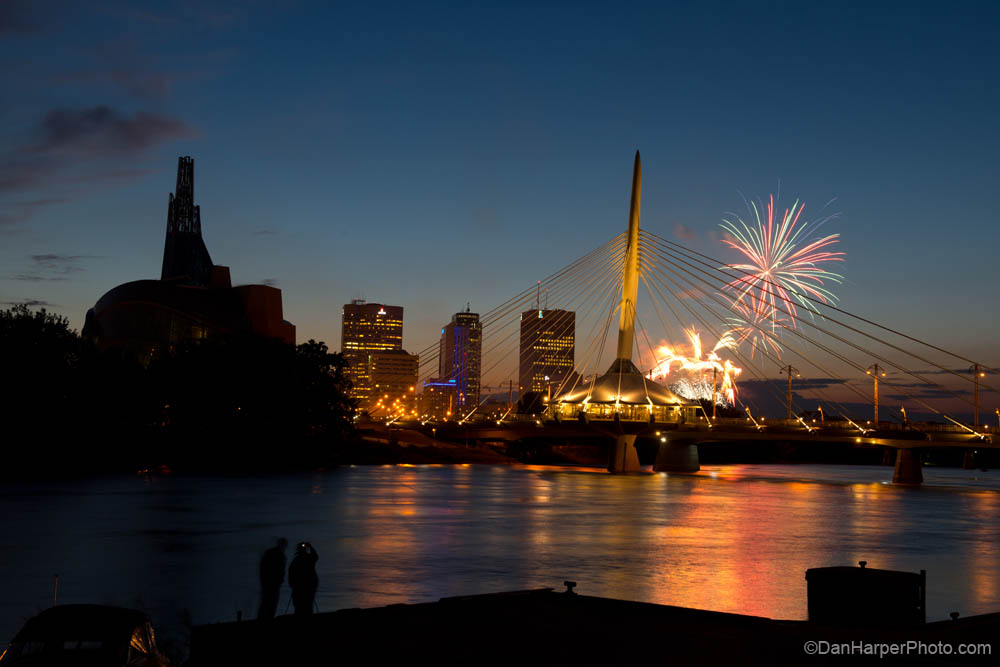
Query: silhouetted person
272	573
302	578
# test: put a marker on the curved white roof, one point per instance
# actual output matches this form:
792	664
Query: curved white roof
623	383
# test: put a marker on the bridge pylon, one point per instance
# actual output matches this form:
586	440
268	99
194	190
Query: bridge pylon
624	456
623	393
630	279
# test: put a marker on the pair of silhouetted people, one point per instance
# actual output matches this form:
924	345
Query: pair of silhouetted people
301	577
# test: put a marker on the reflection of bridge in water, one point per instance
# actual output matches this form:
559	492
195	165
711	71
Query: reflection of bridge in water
623	403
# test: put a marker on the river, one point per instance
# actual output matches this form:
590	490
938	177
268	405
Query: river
731	538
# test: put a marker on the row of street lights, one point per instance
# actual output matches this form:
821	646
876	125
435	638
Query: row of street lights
876	371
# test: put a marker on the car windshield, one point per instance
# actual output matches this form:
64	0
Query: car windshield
36	646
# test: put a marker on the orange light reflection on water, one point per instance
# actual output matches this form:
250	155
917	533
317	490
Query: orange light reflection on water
983	580
729	538
742	544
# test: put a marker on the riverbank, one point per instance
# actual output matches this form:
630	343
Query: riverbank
546	627
405	448
377	444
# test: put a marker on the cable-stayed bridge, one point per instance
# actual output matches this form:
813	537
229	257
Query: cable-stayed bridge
624	386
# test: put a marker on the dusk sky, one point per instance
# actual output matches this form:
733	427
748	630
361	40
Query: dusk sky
432	154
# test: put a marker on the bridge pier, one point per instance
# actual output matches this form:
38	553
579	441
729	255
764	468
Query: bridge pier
908	470
968	460
887	457
677	457
624	456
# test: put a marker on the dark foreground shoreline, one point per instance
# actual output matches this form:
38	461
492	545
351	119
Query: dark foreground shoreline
563	628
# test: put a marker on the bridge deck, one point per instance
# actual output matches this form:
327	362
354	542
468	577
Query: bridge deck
730	430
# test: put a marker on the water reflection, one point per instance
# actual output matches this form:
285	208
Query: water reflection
730	538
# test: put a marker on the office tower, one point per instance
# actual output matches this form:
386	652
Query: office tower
437	401
460	358
392	377
548	342
367	328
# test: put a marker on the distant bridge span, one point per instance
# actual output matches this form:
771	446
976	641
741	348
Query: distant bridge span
678	450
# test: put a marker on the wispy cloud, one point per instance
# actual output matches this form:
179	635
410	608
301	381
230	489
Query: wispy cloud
22	175
36	278
800	383
944	371
35	303
59	263
269	281
74	146
198	15
50	267
18	17
141	84
102	130
927	392
684	233
16	212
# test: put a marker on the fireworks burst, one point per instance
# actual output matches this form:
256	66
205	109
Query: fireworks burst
784	269
762	331
698	384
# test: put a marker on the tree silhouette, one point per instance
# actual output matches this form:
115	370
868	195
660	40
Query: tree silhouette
230	403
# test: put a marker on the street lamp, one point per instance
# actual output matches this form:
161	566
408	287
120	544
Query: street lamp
874	370
715	392
788	370
976	374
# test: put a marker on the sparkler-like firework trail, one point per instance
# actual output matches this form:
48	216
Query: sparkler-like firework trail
779	273
696	385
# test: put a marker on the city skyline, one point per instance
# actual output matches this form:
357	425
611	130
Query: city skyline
489	180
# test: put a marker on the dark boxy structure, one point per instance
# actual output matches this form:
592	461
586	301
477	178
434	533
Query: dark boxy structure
193	299
866	596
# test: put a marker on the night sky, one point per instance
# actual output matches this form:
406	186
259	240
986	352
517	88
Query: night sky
432	154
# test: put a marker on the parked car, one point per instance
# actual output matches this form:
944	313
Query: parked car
85	634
